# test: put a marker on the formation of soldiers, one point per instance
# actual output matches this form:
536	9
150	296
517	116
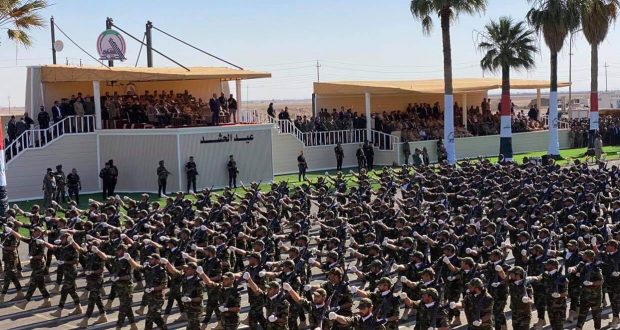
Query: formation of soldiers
436	245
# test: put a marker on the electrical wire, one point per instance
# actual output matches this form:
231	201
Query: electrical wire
78	46
140	51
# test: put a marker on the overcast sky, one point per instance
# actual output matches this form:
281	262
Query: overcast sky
352	39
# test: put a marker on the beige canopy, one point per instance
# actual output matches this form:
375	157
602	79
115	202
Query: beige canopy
61	73
432	86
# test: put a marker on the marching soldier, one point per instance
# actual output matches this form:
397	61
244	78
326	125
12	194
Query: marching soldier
256	300
93	270
363	321
478	306
429	312
611	273
386	306
520	298
155	278
36	254
591	289
555	289
192	289
229	299
121	281
213	267
67	258
10	259
276	305
317	308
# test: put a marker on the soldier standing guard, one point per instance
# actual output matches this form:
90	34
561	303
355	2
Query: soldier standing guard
74	186
121	279
49	188
339	156
232	172
192	172
361	159
61	182
302	165
162	178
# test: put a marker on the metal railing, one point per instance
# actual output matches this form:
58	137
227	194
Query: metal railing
38	138
322	138
384	141
562	124
252	117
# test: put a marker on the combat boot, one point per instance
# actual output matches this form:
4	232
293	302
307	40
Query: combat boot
83	324
19	295
22	305
182	318
46	303
540	324
615	321
77	311
102	319
2	298
140	311
84	295
246	321
55	289
19	274
218	326
108	305
133	327
139	286
57	313
456	322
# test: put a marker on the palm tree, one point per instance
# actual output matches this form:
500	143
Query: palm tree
447	10
555	19
507	45
18	17
596	17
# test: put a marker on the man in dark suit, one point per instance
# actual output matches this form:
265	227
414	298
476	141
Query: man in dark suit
56	112
215	105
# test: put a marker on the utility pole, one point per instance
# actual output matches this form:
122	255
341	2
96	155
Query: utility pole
53	40
149	45
318	73
606	66
108	26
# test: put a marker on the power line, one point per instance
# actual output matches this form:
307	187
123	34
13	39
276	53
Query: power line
78	46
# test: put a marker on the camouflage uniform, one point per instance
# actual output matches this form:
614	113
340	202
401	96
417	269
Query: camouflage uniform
256	301
212	269
123	288
317	314
385	307
433	316
358	323
591	296
174	284
611	273
479	307
192	287
521	312
93	267
229	298
36	254
69	256
339	295
10	260
279	307
154	276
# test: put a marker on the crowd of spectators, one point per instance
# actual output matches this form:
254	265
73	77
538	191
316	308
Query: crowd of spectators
609	129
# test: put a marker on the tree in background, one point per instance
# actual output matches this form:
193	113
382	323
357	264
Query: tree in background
19	17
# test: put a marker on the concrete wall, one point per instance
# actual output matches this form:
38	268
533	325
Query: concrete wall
489	145
25	172
137	153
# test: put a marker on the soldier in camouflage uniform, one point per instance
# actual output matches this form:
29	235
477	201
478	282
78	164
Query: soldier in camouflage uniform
61	183
611	273
191	291
257	301
67	260
386	306
496	287
429	312
93	270
317	308
365	320
276	305
520	298
174	256
155	281
229	299
591	289
213	267
36	254
555	292
121	281
478	306
10	259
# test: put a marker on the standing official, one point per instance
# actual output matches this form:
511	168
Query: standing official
232	172
302	165
192	172
339	156
214	106
162	178
74	186
369	154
